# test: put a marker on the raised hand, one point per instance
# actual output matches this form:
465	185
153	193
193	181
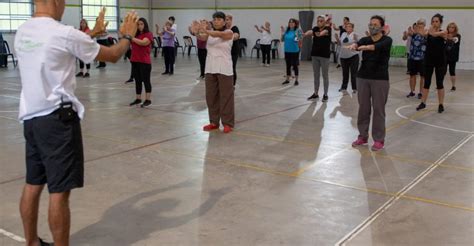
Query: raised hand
282	29
130	24
100	25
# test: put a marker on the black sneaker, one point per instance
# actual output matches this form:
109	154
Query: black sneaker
87	75
453	88
137	101
411	94
314	96
130	80
165	73
80	74
285	82
325	98
146	103
296	82
421	106
440	108
43	243
420	95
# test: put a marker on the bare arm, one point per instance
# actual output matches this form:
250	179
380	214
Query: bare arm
258	29
141	42
115	52
225	35
267	30
308	33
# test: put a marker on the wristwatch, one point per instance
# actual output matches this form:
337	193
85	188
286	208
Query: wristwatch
127	37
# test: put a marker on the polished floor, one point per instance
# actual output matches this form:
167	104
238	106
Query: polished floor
287	175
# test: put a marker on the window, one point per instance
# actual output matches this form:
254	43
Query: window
91	9
13	13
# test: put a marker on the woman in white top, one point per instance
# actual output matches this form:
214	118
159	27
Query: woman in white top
219	72
349	58
265	42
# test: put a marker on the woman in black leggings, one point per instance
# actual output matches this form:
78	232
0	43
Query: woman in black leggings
452	51
141	62
435	61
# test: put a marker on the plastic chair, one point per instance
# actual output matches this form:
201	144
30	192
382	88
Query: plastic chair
256	47
6	52
189	44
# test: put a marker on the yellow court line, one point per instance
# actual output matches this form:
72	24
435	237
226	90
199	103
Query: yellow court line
391	128
280	173
286	174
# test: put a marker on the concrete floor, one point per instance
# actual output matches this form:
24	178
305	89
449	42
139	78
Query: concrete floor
287	175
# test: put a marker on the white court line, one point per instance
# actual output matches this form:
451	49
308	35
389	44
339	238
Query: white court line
12	236
427	124
367	222
11	89
14	97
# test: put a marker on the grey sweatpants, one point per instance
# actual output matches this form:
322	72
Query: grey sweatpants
321	64
372	94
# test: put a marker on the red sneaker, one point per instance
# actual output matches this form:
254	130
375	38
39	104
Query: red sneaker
210	127
227	129
378	146
359	141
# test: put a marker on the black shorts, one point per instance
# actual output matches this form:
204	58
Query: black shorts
54	153
416	67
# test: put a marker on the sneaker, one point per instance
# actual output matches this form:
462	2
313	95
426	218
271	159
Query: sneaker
411	94
420	95
146	103
210	127
137	101
130	80
87	75
359	141
325	98
165	73
342	90
354	91
43	243
296	82
227	129
421	106
80	74
285	82
440	108
267	65
377	146
314	96
453	88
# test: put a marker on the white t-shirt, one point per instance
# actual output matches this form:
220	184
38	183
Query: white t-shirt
219	58
266	38
47	51
347	40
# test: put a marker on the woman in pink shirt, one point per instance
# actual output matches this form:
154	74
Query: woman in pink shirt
84	27
141	62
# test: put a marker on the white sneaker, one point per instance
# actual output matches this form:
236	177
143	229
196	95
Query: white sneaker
267	65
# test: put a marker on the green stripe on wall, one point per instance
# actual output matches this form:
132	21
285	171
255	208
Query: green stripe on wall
122	7
328	7
303	7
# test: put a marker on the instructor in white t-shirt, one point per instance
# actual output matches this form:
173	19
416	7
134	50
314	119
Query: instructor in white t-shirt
51	113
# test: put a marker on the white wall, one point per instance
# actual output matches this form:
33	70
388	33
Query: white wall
247	13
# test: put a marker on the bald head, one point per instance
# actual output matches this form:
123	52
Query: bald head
50	8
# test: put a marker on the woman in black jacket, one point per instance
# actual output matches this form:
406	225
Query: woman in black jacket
453	43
